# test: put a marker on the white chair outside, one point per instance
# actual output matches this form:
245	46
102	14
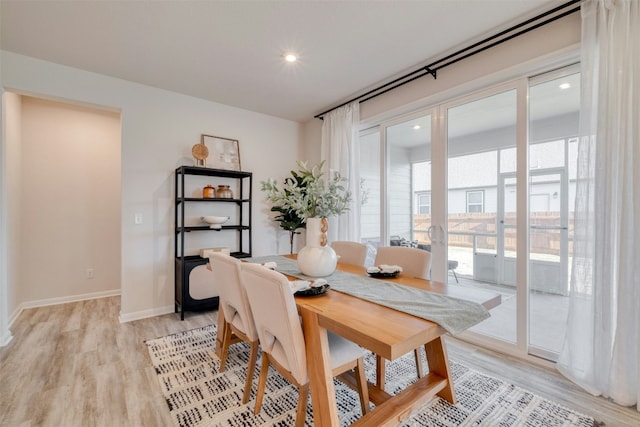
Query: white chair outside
350	252
415	263
237	313
282	339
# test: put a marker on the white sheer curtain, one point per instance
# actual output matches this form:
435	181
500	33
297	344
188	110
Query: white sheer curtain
601	351
341	153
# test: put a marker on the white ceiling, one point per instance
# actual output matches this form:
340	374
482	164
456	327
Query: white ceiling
230	51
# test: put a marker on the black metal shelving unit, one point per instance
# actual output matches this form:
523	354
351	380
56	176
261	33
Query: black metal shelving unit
185	263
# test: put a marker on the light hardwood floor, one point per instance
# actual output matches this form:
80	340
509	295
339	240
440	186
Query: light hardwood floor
76	365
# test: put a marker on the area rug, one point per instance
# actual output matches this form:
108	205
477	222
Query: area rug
198	395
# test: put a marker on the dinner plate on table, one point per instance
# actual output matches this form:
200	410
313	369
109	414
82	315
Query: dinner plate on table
383	275
313	291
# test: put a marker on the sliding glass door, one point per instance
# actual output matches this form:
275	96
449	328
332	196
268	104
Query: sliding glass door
481	203
486	184
554	104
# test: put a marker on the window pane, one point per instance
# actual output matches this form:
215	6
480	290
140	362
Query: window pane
475	197
370	187
409	173
424	204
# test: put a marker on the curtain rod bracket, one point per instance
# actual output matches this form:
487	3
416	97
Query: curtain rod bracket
434	73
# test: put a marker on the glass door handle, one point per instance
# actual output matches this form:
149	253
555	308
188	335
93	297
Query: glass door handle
441	235
548	227
440	238
429	233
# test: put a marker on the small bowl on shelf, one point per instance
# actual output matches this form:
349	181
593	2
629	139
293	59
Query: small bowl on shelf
215	222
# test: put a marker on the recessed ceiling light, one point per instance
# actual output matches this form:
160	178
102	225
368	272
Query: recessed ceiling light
416	127
290	57
565	86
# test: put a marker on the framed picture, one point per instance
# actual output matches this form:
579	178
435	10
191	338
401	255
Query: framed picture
224	153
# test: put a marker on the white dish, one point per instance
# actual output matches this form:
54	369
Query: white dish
299	285
384	269
215	222
305	285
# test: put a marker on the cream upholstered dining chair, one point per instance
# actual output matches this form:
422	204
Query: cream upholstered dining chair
350	252
415	263
237	313
282	339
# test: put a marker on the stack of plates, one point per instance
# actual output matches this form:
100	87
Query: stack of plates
309	288
384	270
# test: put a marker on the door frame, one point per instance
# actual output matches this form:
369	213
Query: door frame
564	217
500	230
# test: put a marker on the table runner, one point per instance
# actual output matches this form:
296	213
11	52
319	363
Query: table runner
453	314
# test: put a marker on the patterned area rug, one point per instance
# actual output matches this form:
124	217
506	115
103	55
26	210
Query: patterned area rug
198	395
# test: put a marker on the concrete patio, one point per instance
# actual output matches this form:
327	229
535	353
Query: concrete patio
547	311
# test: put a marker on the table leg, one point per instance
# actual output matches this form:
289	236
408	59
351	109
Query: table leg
381	365
323	395
439	364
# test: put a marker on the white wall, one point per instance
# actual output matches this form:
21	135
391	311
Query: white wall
158	130
70	204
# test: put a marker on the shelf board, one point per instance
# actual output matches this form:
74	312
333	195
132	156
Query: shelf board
192	258
240	255
207	228
210	199
196	170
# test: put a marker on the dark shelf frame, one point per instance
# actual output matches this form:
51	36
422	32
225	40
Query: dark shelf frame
185	263
207	228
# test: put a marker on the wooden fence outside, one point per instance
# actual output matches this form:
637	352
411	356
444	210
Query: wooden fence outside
463	227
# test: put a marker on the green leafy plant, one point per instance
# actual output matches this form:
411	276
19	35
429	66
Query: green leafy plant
306	195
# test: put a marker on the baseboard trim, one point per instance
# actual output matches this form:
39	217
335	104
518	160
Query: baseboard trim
144	314
501	348
72	298
6	338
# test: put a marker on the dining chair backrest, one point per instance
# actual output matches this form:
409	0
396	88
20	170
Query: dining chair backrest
414	262
233	297
350	252
276	317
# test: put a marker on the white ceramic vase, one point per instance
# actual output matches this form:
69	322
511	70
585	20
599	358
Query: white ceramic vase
317	259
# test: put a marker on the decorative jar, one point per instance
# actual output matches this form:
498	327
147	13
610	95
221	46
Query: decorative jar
224	192
208	192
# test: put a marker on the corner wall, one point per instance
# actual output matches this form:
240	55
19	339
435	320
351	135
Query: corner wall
158	130
70	205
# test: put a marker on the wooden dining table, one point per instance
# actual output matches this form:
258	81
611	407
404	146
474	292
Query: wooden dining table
384	331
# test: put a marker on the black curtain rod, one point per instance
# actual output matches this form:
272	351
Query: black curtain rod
466	52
